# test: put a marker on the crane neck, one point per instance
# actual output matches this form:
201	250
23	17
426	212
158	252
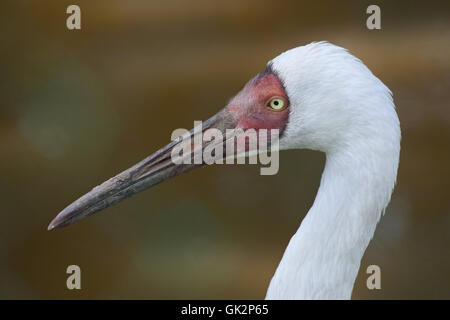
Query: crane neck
323	257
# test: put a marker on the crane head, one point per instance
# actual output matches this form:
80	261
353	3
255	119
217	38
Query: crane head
261	104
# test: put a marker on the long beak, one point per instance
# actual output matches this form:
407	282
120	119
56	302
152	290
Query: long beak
153	170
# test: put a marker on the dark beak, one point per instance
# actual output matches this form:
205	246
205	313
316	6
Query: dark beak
153	170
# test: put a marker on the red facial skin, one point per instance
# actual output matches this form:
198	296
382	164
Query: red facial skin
250	106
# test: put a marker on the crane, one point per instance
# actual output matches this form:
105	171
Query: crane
319	97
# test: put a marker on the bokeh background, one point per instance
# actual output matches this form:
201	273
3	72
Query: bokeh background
77	107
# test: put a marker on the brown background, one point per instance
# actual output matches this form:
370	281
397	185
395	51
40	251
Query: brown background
79	106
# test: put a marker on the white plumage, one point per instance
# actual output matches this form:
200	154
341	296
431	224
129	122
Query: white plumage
339	107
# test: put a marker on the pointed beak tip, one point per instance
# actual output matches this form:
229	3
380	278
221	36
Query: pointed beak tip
55	223
52	226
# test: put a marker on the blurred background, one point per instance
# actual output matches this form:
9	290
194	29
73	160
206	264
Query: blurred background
77	107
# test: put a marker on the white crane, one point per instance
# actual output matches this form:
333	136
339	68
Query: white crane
320	97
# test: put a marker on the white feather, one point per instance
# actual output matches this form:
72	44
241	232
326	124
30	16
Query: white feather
339	107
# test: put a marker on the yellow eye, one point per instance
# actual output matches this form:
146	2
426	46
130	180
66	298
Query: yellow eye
276	104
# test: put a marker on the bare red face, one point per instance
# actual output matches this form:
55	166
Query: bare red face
261	104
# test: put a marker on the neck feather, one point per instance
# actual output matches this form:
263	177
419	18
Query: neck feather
324	255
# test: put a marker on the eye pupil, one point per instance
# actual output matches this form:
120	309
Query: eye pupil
276	102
